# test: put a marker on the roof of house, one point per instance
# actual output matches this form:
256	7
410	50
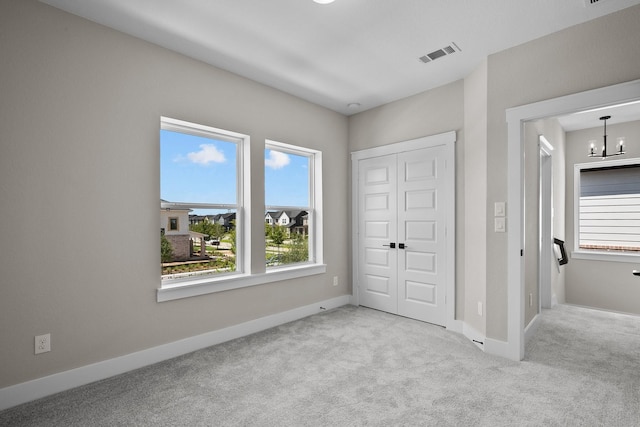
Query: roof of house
290	214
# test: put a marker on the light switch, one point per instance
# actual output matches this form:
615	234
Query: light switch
500	225
499	209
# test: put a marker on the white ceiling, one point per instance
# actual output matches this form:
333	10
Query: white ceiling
349	51
591	118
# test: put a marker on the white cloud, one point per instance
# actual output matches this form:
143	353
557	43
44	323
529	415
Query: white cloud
208	153
277	160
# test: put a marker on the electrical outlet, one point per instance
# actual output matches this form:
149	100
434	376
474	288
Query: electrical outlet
43	343
335	280
530	300
479	308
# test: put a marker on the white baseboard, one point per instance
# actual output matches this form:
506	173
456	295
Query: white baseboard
497	348
486	344
353	300
474	336
455	325
531	328
31	390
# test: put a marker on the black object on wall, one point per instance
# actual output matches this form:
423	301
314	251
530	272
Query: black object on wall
559	247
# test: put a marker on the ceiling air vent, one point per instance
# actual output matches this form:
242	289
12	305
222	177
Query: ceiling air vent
447	50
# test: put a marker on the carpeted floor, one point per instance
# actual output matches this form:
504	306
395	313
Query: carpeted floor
355	366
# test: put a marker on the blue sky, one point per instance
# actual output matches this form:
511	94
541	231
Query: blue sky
286	179
202	170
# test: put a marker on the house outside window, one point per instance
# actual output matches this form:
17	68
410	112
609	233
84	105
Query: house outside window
607	206
268	218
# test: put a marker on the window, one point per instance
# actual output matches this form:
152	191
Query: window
292	199
200	200
607	206
205	212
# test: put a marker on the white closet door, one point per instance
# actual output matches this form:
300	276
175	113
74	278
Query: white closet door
421	230
378	229
402	249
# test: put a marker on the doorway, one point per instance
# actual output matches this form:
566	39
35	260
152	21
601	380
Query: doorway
516	118
404	228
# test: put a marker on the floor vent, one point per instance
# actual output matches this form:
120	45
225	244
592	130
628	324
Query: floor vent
447	50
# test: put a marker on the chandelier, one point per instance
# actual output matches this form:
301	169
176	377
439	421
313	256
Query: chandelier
593	150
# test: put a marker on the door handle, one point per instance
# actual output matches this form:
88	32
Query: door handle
391	245
402	246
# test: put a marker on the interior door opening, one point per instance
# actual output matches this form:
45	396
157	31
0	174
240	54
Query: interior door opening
591	100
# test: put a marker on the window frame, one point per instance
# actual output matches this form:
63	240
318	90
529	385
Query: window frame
241	207
595	254
202	285
314	209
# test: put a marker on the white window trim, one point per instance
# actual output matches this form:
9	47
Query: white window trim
315	203
185	288
194	288
596	255
243	211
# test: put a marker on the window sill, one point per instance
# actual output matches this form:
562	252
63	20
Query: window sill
606	256
172	291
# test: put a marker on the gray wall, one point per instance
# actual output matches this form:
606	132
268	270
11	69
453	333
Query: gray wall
79	184
600	284
475	198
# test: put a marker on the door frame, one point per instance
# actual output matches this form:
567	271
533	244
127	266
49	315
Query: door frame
545	216
516	118
447	140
